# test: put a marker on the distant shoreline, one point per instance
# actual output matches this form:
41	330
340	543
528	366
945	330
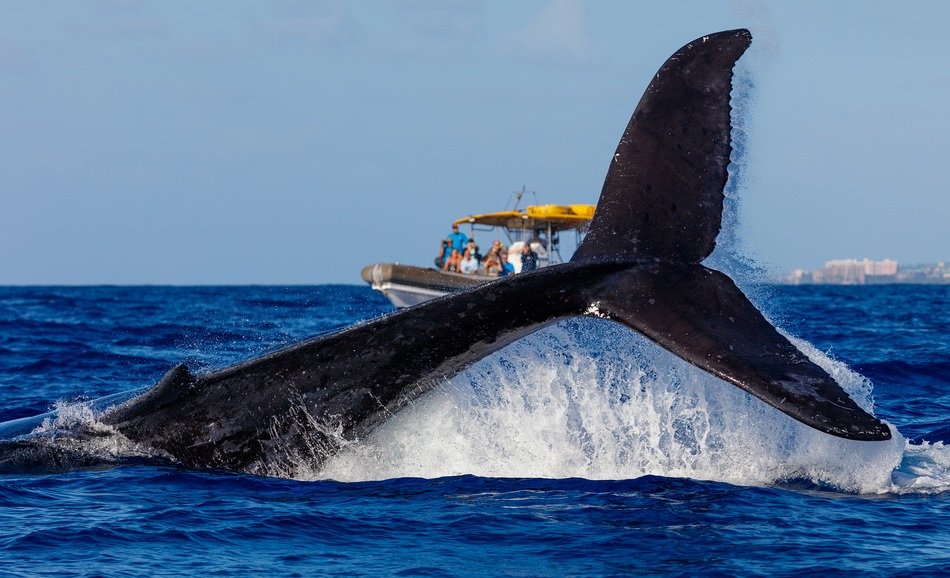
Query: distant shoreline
867	272
943	281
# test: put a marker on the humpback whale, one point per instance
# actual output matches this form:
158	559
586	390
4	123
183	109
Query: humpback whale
640	265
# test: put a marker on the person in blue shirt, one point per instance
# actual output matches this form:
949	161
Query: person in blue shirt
444	253
459	240
506	267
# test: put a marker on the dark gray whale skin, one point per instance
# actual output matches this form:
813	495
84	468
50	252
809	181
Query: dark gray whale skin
640	265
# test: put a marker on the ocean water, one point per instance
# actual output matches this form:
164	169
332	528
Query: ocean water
582	450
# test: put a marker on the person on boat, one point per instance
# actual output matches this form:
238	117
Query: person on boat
540	246
493	253
459	240
473	249
453	262
468	264
492	266
505	268
529	259
444	251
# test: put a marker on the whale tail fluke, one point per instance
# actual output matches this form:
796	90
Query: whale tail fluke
661	207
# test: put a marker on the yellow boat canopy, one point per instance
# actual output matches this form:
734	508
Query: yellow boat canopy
558	217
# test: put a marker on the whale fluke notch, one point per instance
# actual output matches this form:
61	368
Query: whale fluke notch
640	265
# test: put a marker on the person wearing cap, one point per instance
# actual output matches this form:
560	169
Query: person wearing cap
459	240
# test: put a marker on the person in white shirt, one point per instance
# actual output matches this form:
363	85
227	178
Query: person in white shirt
469	263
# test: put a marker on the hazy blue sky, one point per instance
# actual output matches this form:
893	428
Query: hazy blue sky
193	142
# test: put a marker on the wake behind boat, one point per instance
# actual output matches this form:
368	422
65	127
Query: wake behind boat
546	229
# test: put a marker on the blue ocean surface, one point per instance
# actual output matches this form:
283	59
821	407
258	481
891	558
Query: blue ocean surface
582	450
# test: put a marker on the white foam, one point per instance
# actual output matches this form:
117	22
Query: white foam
589	399
68	416
76	426
925	469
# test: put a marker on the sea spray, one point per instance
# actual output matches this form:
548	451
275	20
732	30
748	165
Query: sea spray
161	520
72	437
924	469
589	399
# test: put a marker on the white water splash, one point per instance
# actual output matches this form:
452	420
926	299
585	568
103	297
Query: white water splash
76	426
925	469
587	398
590	399
69	415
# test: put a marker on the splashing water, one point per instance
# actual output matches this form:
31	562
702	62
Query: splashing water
589	399
581	398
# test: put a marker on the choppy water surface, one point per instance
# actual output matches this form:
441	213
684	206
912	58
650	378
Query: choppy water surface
582	450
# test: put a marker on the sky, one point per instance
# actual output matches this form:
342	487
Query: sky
295	141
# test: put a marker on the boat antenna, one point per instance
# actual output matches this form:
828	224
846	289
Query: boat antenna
520	194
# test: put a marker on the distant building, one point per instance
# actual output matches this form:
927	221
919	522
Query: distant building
925	273
800	277
848	272
867	272
854	272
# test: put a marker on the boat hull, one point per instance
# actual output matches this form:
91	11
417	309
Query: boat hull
406	285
